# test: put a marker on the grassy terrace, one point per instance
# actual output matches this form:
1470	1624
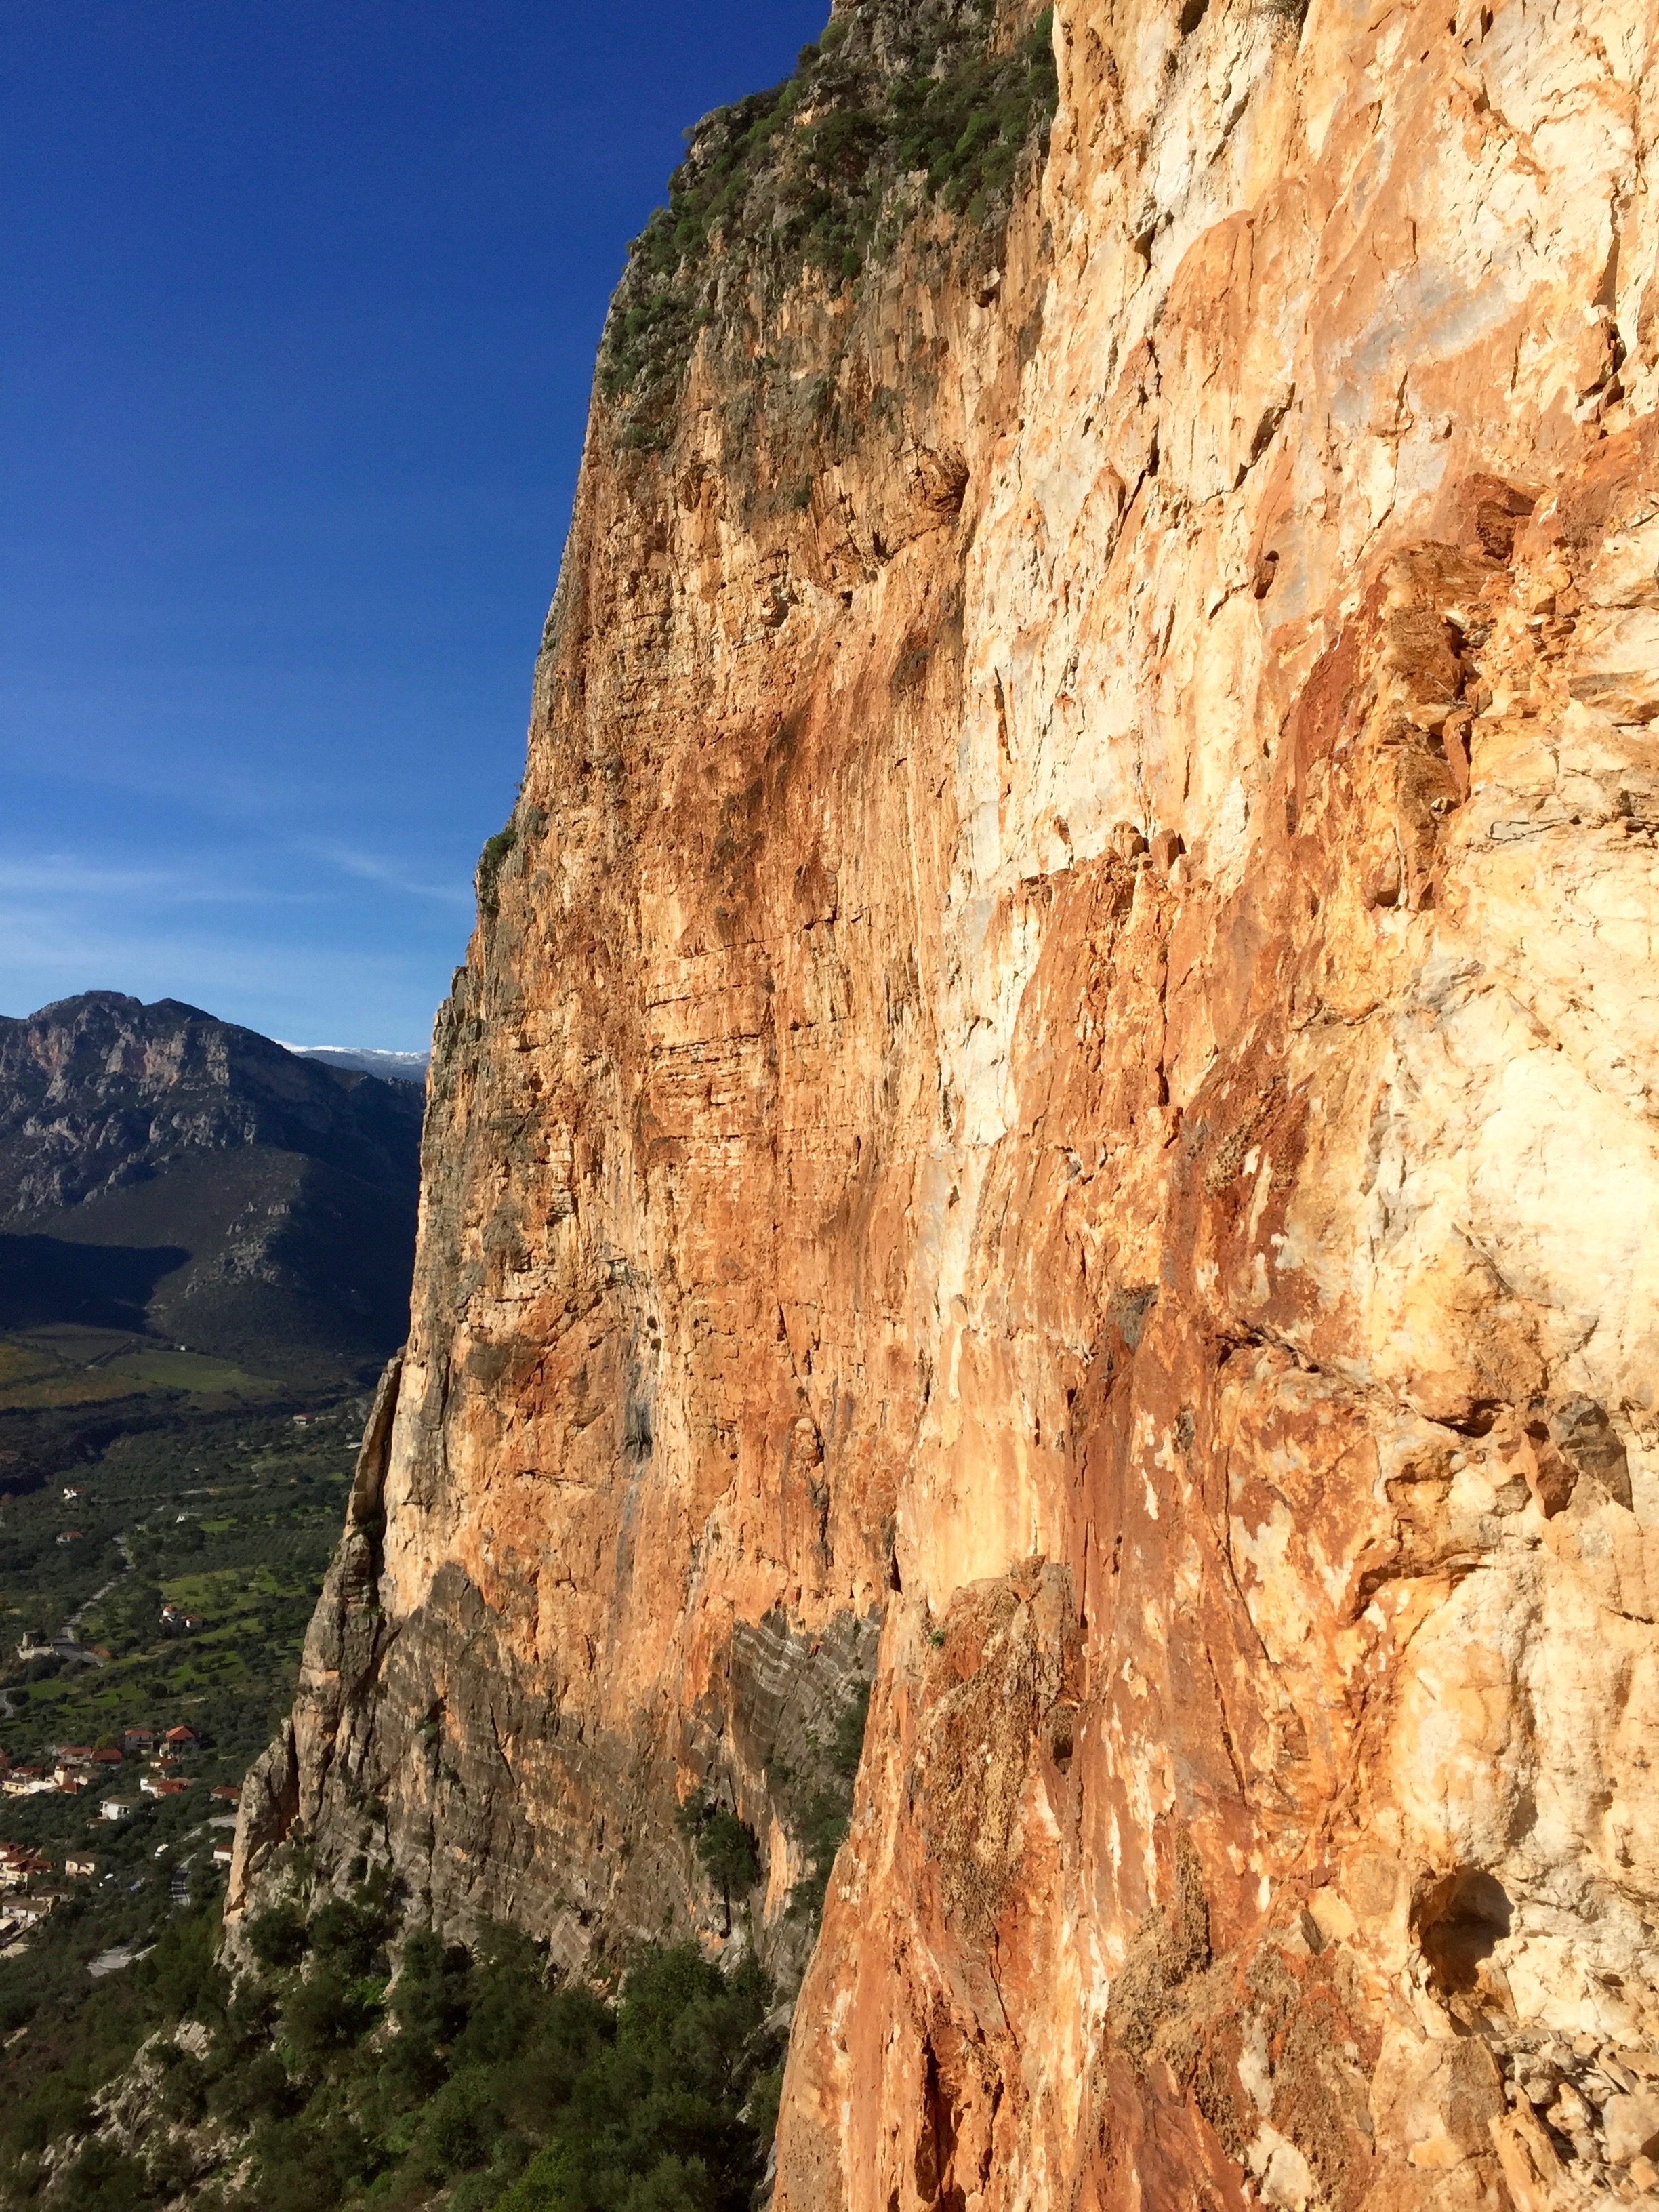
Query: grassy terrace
72	1366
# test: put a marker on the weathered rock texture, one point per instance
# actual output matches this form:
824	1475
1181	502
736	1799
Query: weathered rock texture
1064	1061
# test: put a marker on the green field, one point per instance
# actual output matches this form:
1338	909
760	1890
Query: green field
69	1366
231	1517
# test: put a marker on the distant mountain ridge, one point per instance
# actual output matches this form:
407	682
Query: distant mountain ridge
163	1170
395	1067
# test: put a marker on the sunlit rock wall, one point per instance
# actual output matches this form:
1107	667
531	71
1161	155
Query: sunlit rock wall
1060	1074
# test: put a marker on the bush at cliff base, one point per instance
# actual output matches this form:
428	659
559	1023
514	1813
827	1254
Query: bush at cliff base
323	2083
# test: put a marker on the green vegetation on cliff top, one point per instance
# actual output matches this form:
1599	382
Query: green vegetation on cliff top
808	175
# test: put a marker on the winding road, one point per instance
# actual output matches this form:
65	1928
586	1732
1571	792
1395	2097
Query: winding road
66	1634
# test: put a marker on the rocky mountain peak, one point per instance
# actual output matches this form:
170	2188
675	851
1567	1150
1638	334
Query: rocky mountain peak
128	1129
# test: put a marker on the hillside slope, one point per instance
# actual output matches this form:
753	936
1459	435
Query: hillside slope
165	1171
1054	1102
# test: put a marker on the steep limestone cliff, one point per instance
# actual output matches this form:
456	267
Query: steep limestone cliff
1054	1100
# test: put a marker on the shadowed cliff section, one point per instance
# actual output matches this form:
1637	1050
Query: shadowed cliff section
46	1278
163	1171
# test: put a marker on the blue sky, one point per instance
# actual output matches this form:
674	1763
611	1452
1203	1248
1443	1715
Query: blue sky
299	301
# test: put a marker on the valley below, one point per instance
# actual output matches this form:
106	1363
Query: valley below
175	1608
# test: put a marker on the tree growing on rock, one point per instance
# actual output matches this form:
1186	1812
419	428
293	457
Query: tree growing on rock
725	1845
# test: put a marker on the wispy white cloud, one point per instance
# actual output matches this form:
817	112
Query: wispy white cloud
62	872
94	947
370	868
298	942
64	876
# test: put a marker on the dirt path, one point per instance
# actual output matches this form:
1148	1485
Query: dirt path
67	1642
120	1542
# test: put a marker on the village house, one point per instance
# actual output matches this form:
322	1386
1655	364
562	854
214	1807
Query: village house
176	1622
117	1808
18	1865
137	1739
181	1739
107	1756
161	1785
35	1647
229	1793
222	1855
69	1536
80	1869
71	1490
35	1907
27	1782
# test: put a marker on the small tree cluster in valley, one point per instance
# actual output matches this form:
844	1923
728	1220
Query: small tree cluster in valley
336	2076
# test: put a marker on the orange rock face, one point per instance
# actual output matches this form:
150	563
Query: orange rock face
1061	1074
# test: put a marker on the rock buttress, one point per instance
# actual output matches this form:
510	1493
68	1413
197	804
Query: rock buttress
1058	1067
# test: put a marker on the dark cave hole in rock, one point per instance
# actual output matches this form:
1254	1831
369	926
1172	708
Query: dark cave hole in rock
1062	1724
1460	1921
936	2142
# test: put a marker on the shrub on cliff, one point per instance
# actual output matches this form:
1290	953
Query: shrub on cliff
434	1991
325	2014
104	2179
825	1819
277	1937
350	1933
726	1847
495	850
655	2122
472	2082
497	2090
